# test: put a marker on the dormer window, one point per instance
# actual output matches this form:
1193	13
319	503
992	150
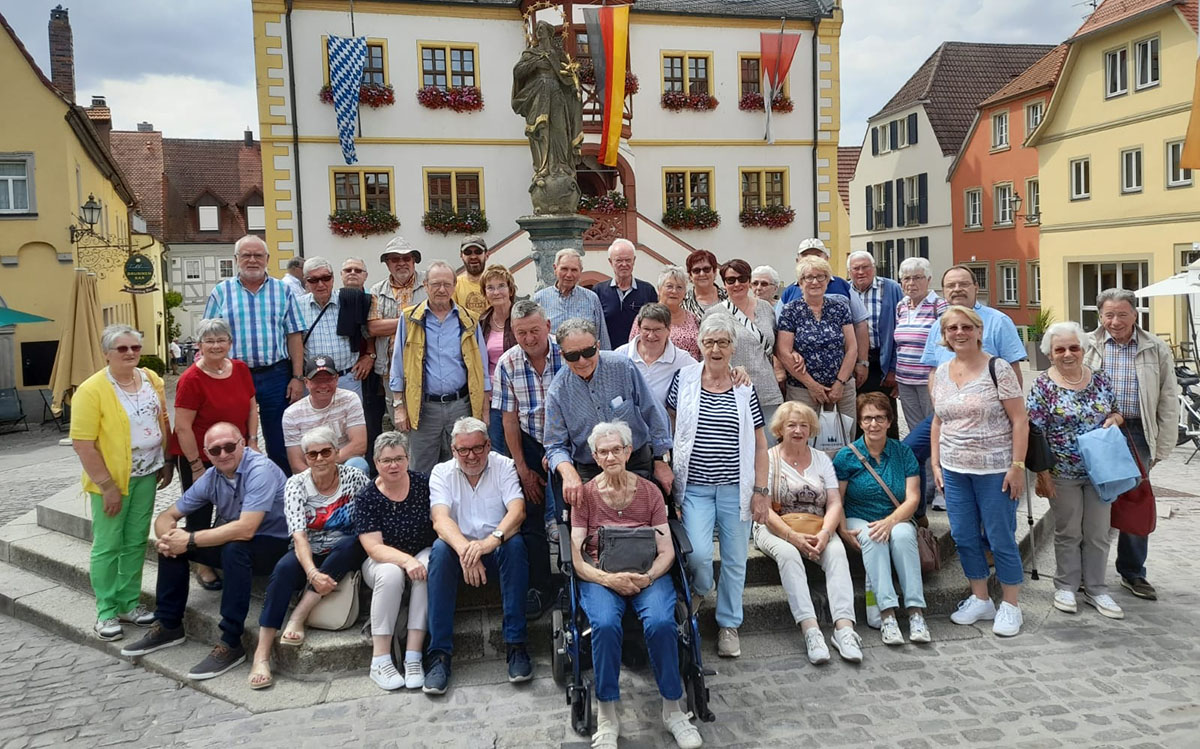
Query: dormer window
256	218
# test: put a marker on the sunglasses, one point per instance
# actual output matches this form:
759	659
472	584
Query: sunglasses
319	279
473	251
703	269
135	348
583	353
736	279
226	448
314	454
354	270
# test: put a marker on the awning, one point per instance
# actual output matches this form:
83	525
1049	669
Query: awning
10	316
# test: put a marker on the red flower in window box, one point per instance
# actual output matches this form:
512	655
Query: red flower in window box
700	217
449	222
754	101
460	99
587	74
677	101
371	94
771	216
608	203
362	223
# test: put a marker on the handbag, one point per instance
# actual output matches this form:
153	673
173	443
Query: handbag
833	429
623	549
927	545
1038	455
1134	511
339	609
801	522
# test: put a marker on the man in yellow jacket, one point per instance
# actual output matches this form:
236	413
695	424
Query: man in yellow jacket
438	372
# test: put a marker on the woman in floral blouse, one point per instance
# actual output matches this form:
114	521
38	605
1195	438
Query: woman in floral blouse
1068	400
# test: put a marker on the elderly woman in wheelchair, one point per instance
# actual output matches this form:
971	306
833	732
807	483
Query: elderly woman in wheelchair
622	553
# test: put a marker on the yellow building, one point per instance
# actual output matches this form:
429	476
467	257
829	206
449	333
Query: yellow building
1117	209
51	160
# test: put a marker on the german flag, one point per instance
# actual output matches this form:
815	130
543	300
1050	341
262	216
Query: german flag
608	40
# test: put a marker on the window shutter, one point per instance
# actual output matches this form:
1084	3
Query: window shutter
923	197
925	247
900	202
894	132
874	142
887	205
870	209
888	255
912	129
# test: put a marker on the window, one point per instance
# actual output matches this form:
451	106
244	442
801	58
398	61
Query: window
1131	170
457	190
1033	201
751	75
1081	179
689	72
209	217
691	188
16	183
1116	76
763	187
374	67
460	71
256	218
191	270
1002	205
912	201
582	49
1035	284
1145	58
885	144
1009	280
1095	277
999	130
1177	176
362	190
980	271
973	208
1033	116
225	267
883	205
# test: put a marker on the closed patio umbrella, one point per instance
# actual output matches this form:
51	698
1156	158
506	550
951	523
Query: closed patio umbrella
79	355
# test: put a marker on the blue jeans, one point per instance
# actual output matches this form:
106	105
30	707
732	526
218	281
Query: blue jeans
288	577
1131	549
899	553
496	432
655	606
360	463
509	564
918	439
270	390
703	508
973	500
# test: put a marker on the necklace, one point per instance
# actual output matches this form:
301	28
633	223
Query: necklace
217	372
1072	383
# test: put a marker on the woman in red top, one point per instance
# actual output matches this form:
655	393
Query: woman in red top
216	389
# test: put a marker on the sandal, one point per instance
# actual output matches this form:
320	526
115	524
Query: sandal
291	636
261	668
214	584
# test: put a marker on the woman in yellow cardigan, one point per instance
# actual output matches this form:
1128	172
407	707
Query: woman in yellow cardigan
119	429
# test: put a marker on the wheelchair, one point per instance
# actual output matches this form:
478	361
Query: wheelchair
571	633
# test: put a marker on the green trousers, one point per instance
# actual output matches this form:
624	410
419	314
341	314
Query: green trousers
119	547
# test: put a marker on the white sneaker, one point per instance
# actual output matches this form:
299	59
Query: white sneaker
1008	620
1105	604
918	631
972	609
818	651
939	502
848	644
414	675
140	616
386	676
1064	600
890	631
873	619
686	735
108	629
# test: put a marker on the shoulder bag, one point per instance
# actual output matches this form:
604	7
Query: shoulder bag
339	609
1134	512
623	549
1038	455
801	522
927	545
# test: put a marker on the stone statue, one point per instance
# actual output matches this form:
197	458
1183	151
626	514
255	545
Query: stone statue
546	93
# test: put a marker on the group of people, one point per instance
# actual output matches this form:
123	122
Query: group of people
508	411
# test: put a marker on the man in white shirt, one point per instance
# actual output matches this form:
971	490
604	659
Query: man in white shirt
477	507
326	404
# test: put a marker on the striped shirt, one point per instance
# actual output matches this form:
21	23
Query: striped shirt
580	302
912	330
1120	365
872	299
260	321
324	338
516	386
716	452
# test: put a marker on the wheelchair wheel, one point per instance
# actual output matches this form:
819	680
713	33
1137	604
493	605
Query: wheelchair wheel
560	659
581	710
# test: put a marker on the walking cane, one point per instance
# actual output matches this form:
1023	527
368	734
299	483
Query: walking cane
1033	573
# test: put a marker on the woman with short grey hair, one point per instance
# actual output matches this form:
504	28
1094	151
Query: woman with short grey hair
765	282
672	287
653	352
915	316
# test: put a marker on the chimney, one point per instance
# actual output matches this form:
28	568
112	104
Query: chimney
248	138
101	117
145	127
62	53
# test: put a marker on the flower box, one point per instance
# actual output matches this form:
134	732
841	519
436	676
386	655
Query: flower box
362	223
754	102
587	74
461	99
371	94
449	222
771	216
610	202
677	101
700	217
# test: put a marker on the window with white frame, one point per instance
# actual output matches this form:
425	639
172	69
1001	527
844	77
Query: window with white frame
1033	116
1177	176
1131	170
1095	277
885	144
1000	130
1033	201
256	218
191	270
1008	291
973	208
225	267
1003	205
208	218
1081	179
882	204
901	132
912	200
1116	72
1035	283
15	195
1145	59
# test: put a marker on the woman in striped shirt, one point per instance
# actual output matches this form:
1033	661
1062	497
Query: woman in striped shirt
720	462
915	315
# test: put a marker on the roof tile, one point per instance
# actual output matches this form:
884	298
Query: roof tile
141	158
847	164
1042	74
1112	12
228	169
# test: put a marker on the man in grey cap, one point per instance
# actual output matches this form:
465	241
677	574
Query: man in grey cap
403	287
467	292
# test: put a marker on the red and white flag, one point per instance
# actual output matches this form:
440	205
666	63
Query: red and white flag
777	53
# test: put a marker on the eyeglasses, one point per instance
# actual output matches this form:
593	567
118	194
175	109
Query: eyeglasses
814	279
761	282
914	279
227	448
473	251
211	341
477	450
961	285
314	454
721	343
391	461
252	256
495	288
126	349
319	279
609	452
873	419
702	269
440	284
736	279
672	287
583	353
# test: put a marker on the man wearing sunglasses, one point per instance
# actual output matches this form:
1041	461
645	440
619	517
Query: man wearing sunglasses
467	291
248	537
326	405
322	309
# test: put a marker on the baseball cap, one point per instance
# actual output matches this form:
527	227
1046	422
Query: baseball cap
319	363
474	241
812	244
400	246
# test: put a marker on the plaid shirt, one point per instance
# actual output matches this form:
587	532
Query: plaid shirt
387	302
1119	364
516	386
872	299
580	302
323	337
261	321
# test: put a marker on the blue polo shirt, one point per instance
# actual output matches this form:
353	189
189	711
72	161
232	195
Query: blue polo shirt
257	486
865	498
1000	338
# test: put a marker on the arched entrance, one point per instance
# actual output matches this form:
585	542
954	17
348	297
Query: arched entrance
597	180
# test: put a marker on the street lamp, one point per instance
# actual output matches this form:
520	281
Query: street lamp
90	215
1014	204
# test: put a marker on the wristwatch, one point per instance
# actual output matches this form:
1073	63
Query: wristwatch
191	541
761	490
373	356
498	535
864	363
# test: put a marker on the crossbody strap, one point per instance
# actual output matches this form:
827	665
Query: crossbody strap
871	470
313	327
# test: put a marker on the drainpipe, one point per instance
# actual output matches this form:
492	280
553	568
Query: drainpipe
816	100
299	207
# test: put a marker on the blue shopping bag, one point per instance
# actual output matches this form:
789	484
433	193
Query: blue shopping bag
1110	465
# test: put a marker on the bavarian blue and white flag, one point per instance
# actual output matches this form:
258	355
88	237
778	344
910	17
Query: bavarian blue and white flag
346	58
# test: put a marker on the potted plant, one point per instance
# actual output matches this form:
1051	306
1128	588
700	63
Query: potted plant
1034	333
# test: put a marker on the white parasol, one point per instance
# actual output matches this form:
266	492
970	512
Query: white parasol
1183	284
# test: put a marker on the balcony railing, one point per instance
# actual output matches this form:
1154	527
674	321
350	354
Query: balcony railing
593	111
